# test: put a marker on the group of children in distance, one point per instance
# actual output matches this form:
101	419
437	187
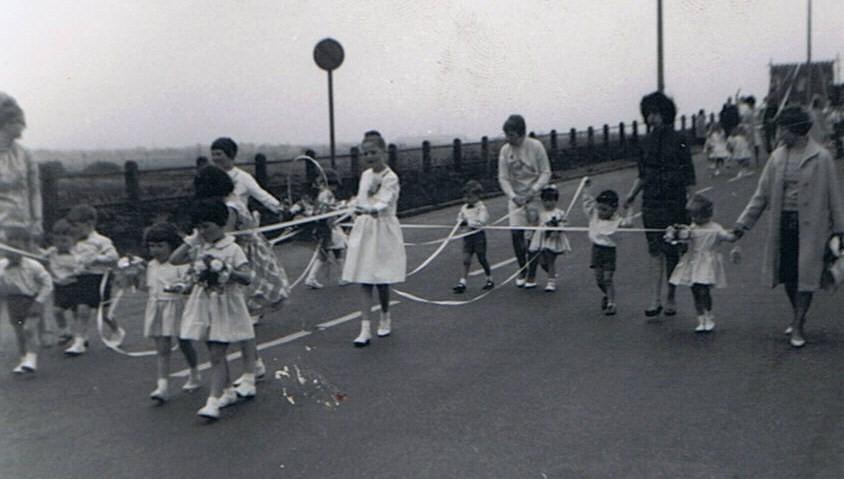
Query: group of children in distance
700	268
736	148
76	265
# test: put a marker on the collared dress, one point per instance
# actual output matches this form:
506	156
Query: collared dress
552	241
163	314
20	190
375	253
702	263
219	316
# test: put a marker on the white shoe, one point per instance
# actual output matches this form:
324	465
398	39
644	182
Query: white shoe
119	336
342	282
530	284
19	369
520	282
551	286
160	393
77	348
701	324
211	409
228	398
260	369
192	384
30	362
246	389
364	336
384	325
788	330
313	284
709	323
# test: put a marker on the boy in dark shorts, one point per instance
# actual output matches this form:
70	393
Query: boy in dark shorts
64	268
97	256
604	221
473	216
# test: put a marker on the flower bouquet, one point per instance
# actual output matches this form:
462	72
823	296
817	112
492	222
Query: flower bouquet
129	272
675	234
211	273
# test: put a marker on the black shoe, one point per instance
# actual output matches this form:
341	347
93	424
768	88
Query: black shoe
604	302
459	288
653	312
489	285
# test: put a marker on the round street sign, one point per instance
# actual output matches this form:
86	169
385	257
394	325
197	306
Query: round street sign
328	54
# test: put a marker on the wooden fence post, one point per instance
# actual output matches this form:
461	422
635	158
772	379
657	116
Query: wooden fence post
393	157
635	137
572	137
485	155
694	123
606	135
683	123
457	154
555	148
132	180
622	139
354	162
49	175
426	156
261	170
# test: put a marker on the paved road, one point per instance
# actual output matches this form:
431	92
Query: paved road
522	384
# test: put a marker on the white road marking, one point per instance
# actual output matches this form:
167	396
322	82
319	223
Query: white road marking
285	339
494	266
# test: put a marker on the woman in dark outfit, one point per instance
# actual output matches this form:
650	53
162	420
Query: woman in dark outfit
665	175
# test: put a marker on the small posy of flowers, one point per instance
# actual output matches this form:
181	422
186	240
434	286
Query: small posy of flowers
677	234
211	273
129	271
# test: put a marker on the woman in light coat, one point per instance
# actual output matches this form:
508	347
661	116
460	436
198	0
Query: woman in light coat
800	187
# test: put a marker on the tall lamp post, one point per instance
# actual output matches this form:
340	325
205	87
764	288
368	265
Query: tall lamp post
328	55
660	71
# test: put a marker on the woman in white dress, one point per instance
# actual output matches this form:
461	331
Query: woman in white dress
376	256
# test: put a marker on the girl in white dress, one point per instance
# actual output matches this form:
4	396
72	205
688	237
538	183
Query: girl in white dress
165	305
716	148
702	267
548	244
375	255
216	310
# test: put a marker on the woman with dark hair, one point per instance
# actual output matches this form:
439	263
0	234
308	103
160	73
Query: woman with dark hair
665	174
800	187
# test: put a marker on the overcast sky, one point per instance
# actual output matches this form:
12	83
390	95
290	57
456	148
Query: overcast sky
157	73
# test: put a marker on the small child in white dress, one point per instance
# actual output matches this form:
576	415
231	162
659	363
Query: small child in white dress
740	150
216	310
716	148
165	305
702	267
328	233
548	244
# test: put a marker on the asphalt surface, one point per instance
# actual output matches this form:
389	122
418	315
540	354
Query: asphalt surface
522	384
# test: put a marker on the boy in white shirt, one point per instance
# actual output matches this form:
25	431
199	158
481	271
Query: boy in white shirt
25	286
97	255
604	221
473	216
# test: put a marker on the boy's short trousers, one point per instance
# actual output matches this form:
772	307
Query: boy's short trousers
64	296
18	307
88	290
603	257
475	244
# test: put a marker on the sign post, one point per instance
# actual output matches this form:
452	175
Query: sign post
328	55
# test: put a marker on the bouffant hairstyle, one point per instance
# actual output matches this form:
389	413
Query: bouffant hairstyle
82	214
473	187
657	102
211	182
701	205
516	124
796	120
163	233
550	192
226	145
211	210
10	110
608	197
374	136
